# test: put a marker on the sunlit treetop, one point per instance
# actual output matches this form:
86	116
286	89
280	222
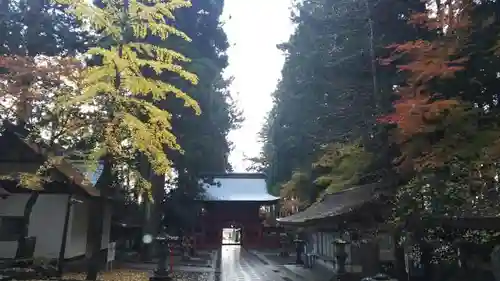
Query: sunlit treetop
125	80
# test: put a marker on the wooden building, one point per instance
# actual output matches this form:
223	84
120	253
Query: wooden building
353	216
234	200
59	219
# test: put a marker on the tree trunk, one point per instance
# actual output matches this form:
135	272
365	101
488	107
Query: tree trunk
373	57
94	238
399	254
144	170
28	209
154	220
158	185
426	259
34	26
425	253
145	208
97	209
4	24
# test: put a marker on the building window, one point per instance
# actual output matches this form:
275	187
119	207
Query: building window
386	247
328	249
385	242
331	246
11	227
317	245
320	244
315	242
326	241
324	249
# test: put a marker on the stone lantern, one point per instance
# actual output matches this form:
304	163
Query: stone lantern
340	255
164	242
299	250
284	244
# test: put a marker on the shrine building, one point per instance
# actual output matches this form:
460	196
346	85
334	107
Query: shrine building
233	204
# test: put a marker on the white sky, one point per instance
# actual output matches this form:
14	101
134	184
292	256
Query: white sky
253	29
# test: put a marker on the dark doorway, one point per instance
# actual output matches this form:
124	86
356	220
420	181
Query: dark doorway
231	236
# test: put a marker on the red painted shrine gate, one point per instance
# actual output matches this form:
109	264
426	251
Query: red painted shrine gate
234	201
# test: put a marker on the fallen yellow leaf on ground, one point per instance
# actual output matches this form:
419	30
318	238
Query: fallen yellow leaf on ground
136	275
114	275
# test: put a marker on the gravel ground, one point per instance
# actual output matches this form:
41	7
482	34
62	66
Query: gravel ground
136	275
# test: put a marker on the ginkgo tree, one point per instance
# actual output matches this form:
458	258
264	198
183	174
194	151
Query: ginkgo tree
122	83
118	83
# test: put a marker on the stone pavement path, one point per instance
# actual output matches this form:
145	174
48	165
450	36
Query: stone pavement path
287	267
239	265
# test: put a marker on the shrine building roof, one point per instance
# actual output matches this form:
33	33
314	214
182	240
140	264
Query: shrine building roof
3	193
64	166
333	205
241	187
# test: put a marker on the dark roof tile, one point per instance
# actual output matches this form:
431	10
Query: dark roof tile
334	204
62	166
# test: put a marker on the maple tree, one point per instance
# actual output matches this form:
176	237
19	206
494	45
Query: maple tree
445	125
437	131
34	94
445	128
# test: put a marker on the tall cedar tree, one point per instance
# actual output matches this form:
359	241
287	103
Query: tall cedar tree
200	137
121	86
332	89
38	27
205	137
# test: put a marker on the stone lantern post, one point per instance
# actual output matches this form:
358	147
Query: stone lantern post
340	255
299	250
284	244
164	242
